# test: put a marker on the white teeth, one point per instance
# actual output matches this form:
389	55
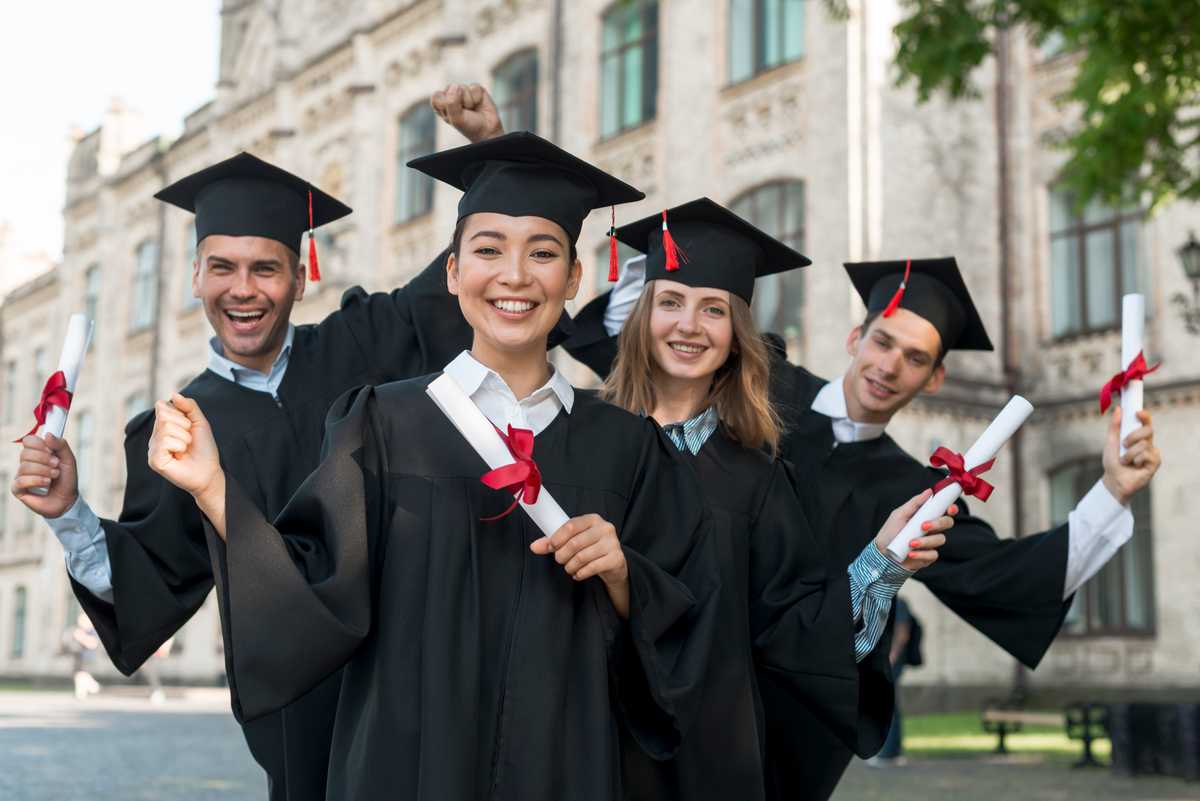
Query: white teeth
240	315
513	306
686	348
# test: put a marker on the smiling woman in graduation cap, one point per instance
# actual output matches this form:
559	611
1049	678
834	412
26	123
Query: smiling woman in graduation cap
689	356
482	660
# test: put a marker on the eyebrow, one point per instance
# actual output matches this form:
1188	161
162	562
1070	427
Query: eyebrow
256	263
910	351
706	299
503	238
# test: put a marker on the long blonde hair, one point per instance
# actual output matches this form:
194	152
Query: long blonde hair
740	387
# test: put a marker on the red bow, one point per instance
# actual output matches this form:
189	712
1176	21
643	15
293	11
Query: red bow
1136	371
522	476
969	480
53	394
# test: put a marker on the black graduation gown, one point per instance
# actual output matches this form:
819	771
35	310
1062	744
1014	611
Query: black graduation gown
779	618
1010	590
473	668
161	568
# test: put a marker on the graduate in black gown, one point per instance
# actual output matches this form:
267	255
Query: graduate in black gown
266	393
482	659
1015	591
691	357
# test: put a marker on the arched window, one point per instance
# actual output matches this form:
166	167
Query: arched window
1120	598
778	209
764	34
515	88
145	287
414	190
628	65
91	293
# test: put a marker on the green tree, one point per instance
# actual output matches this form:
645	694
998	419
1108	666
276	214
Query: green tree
1136	85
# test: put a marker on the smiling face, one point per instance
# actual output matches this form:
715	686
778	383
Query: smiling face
512	276
893	360
691	330
248	285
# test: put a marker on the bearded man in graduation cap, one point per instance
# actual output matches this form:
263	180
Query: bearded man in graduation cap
266	392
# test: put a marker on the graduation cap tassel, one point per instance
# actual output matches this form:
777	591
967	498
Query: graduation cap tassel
613	267
314	269
894	303
673	251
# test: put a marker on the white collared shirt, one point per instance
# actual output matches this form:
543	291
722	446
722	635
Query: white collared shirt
831	402
500	405
1096	528
246	377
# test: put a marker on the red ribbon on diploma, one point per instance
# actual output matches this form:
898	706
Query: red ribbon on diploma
53	394
1136	371
969	480
522	476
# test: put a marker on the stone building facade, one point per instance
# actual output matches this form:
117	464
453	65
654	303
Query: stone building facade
771	106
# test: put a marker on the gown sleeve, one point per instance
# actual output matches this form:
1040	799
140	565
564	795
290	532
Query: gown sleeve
160	568
1011	590
662	652
590	343
803	629
297	593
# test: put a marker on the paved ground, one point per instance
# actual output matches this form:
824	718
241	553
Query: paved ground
121	748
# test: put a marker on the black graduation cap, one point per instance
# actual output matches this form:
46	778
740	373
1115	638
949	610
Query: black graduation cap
702	243
931	288
522	175
246	196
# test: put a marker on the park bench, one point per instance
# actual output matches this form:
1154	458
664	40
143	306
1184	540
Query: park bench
1082	721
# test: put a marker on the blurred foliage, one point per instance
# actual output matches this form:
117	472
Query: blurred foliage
1135	85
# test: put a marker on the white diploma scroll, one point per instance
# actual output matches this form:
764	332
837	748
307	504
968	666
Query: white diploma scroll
1133	324
481	434
1014	413
75	345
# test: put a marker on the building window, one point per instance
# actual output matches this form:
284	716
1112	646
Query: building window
778	209
414	190
40	376
764	34
628	65
19	612
515	83
83	448
91	293
1120	598
10	391
145	287
1093	262
190	301
600	269
136	404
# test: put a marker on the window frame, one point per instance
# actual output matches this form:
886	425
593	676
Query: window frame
420	110
527	99
758	39
1079	230
1082	481
795	238
145	280
650	11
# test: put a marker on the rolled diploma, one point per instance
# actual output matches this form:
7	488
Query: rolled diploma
70	362
479	432
1014	413
1133	323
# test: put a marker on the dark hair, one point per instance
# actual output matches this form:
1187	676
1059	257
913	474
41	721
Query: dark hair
872	316
456	242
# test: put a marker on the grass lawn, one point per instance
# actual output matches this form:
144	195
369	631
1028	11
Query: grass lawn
960	736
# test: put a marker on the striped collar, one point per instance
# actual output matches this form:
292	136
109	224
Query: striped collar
691	434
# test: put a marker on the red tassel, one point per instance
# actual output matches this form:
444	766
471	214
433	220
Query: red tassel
894	303
613	267
314	269
674	253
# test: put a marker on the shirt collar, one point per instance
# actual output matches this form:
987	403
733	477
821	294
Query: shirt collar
691	434
229	370
471	375
831	402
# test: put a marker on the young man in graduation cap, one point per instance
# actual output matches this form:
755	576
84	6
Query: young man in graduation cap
1015	591
266	392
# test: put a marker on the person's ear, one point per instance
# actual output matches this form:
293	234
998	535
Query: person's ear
301	280
852	339
936	379
452	274
574	278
